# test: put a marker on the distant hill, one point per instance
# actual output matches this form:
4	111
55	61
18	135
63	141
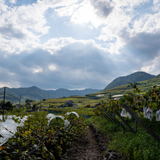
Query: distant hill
158	76
36	93
9	95
144	86
134	77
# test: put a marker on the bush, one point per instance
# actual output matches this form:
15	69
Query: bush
8	106
87	106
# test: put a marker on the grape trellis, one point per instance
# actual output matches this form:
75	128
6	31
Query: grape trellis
134	105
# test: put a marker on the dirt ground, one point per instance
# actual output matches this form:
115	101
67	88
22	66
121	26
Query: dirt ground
85	149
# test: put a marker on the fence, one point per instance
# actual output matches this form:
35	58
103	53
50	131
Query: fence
111	118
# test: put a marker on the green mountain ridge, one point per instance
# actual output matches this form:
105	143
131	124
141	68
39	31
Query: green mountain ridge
117	86
123	89
134	77
35	93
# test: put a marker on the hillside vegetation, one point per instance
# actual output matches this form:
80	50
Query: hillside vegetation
123	89
134	77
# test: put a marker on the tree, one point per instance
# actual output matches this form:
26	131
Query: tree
34	107
8	106
29	100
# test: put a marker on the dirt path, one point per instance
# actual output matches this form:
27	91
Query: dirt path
85	149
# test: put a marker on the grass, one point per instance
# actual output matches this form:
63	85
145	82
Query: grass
51	104
139	146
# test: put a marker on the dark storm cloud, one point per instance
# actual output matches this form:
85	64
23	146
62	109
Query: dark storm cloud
78	65
103	8
70	59
143	46
80	56
10	31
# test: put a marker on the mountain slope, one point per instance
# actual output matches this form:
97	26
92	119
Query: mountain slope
144	86
158	76
134	77
9	95
30	92
36	93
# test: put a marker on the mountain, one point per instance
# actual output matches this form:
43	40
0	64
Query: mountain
158	76
30	92
134	77
36	93
9	95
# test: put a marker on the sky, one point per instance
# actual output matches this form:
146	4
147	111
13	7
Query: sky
77	44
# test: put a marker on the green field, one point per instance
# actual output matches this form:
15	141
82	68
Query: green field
51	104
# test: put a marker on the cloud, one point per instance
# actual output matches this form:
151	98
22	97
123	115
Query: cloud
152	66
103	8
129	3
8	78
142	49
144	46
9	31
12	1
56	44
76	64
147	23
77	44
83	13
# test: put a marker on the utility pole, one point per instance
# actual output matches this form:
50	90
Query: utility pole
19	101
4	101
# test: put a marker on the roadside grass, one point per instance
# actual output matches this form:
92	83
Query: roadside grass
139	146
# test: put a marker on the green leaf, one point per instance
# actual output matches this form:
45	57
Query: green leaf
154	105
122	101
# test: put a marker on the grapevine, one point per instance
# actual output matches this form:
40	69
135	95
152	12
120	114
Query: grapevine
134	100
36	140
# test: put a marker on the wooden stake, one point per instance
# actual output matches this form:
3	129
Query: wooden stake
142	123
19	101
4	101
